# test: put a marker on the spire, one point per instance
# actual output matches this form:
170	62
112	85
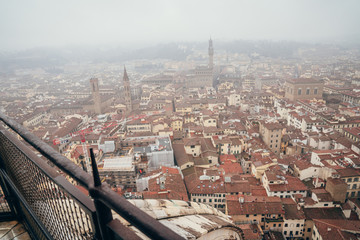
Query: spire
127	92
125	77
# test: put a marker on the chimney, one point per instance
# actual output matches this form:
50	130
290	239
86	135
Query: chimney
162	183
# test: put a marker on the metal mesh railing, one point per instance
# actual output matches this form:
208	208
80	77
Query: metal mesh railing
4	205
54	206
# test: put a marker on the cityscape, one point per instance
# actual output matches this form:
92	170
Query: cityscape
215	139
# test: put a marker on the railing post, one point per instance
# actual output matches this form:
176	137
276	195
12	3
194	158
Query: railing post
103	213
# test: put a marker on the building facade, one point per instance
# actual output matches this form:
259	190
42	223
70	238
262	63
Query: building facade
303	88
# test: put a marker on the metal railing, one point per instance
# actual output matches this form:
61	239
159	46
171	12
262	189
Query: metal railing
53	208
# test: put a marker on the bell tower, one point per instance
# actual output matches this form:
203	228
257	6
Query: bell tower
211	54
94	82
127	92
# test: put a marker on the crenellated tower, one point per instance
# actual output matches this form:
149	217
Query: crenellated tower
211	54
94	82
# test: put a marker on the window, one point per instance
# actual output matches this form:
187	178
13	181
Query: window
299	91
307	91
309	230
315	91
247	215
356	179
349	179
354	186
286	224
325	204
285	232
192	146
274	225
297	232
298	225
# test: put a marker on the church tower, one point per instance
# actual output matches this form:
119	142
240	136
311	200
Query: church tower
211	54
94	82
127	93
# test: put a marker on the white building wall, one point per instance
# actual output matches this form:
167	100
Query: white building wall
293	226
310	172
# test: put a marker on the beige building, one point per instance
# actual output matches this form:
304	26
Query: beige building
176	124
351	177
137	126
267	213
337	189
209	121
294	220
183	108
192	146
271	134
303	88
234	99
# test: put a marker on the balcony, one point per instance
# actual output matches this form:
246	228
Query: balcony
37	193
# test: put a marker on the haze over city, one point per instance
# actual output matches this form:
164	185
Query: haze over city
41	23
180	120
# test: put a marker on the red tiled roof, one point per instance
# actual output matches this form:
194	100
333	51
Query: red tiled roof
293	184
237	208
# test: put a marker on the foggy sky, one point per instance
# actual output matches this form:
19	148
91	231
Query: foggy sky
35	23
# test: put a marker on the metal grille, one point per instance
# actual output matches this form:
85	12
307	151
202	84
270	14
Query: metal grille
55	207
4	206
32	224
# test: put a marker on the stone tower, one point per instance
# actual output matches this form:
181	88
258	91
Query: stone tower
127	92
211	54
94	82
